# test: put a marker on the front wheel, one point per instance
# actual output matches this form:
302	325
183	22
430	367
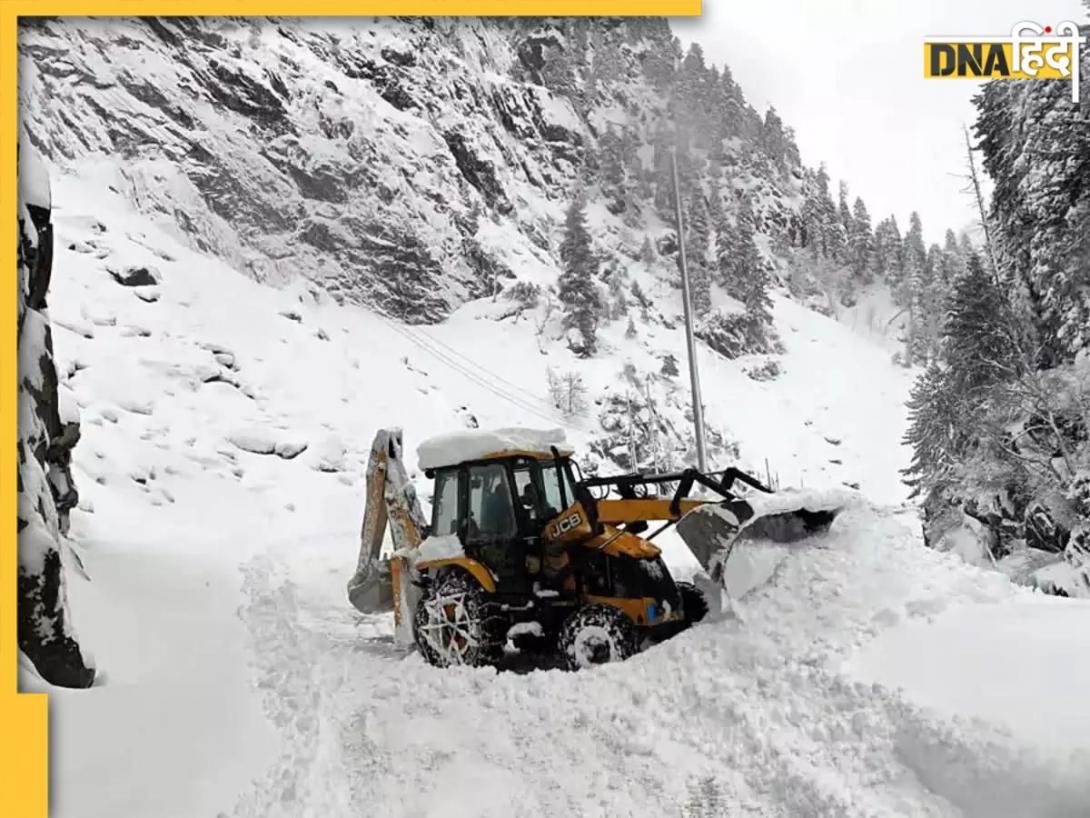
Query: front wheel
596	635
455	624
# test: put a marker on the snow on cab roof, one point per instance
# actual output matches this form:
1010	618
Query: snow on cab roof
458	447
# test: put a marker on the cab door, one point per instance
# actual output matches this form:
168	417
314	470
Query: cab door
491	532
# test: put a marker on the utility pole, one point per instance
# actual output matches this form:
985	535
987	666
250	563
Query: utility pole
690	340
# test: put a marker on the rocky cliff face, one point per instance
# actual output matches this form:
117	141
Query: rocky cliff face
414	165
410	164
47	433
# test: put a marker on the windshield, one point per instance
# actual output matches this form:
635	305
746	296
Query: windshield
553	482
538	488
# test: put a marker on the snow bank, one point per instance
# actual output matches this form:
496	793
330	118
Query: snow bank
1024	665
457	447
792	499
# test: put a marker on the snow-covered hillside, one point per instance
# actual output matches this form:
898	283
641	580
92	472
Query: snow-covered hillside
210	552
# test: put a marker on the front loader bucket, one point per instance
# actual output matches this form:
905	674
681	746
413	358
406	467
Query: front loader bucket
712	530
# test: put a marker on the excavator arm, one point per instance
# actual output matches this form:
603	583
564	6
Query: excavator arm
643	510
381	585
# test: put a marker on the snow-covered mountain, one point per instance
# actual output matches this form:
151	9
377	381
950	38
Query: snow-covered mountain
254	271
414	165
361	154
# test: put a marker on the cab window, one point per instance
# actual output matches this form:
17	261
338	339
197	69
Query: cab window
550	479
444	515
491	510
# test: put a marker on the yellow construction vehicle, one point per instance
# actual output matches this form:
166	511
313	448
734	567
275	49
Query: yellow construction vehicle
520	546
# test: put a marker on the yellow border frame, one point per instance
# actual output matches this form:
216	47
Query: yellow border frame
24	718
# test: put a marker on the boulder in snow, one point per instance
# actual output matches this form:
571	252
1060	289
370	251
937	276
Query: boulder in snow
136	276
289	450
252	441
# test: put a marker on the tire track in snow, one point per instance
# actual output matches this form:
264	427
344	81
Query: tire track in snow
285	661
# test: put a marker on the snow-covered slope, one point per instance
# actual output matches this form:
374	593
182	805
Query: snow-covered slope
210	553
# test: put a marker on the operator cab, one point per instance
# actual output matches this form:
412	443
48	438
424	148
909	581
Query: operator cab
500	498
498	508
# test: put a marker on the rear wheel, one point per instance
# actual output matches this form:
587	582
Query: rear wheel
596	635
455	624
693	603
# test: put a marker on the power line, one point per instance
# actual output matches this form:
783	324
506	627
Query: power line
476	374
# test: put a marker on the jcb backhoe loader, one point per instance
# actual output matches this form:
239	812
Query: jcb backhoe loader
519	546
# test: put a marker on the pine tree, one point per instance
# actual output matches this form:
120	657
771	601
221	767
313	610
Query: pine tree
634	180
933	417
776	141
979	344
933	299
576	288
1036	149
822	225
913	291
691	96
843	211
741	268
647	252
861	243
697	248
716	213
948	400
966	245
888	253
662	174
611	172
618	303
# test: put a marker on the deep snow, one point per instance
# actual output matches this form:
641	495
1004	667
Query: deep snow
237	680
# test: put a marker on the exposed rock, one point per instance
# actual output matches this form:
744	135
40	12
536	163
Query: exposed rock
290	450
768	371
1043	531
735	334
48	430
252	441
478	172
136	276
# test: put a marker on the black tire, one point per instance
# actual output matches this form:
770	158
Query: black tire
693	603
455	624
596	635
